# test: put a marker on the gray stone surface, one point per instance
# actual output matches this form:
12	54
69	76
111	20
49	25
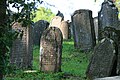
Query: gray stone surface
22	48
39	27
107	17
109	78
51	50
103	60
83	29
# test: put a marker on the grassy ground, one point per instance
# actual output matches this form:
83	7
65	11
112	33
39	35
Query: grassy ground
74	65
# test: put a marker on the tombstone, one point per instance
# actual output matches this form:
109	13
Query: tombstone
103	61
96	26
83	30
109	78
22	48
62	25
51	50
107	17
39	27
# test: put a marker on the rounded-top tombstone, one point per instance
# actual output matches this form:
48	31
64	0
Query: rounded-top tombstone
51	50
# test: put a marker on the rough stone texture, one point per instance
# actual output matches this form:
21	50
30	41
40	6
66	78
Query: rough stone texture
51	50
83	30
62	25
102	63
39	27
107	17
21	51
109	78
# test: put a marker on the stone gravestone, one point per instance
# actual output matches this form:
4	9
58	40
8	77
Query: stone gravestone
83	29
107	17
96	26
102	63
39	27
51	50
57	21
22	48
64	27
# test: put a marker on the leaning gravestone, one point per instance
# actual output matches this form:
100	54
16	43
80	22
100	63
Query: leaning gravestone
21	51
96	26
83	30
39	27
102	63
51	50
107	17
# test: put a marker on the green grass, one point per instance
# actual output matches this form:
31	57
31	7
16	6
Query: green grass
74	65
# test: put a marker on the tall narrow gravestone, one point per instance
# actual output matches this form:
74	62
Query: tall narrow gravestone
83	30
21	51
39	27
102	63
51	50
107	17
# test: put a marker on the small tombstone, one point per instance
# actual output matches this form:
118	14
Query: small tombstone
64	27
96	26
60	14
56	21
39	27
102	63
51	50
108	16
22	47
83	30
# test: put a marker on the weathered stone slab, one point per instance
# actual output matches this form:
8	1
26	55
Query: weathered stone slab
102	63
107	17
56	21
64	27
22	48
83	30
39	27
96	26
109	78
51	50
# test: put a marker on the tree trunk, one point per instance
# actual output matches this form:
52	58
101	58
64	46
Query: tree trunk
2	22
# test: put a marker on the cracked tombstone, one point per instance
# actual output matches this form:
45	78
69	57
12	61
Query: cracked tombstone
39	27
103	61
107	17
51	50
83	30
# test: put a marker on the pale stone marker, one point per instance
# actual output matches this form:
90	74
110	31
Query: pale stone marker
83	30
51	50
102	63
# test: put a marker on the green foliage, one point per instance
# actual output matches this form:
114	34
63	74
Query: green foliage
74	65
43	14
7	35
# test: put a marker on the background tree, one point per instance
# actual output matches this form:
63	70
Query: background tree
7	35
43	14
